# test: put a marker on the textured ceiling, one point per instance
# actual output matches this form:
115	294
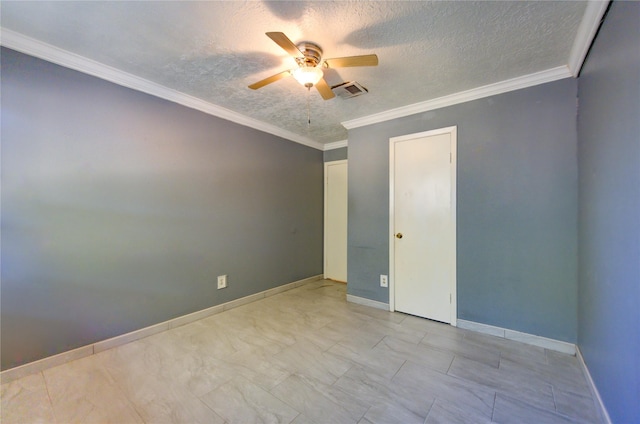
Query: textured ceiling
213	50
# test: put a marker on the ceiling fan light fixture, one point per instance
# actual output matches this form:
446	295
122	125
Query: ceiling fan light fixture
308	75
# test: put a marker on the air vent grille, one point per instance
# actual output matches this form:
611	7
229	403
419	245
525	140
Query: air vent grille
350	89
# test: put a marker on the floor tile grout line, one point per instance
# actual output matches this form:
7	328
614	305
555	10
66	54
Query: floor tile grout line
135	409
120	387
549	410
46	386
379	341
446	350
365	414
433	402
399	368
305	321
553	391
423	337
450	364
559	414
505	392
472	343
293	407
199	399
493	410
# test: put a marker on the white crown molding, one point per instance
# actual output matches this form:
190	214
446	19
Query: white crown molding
336	145
513	84
33	47
586	32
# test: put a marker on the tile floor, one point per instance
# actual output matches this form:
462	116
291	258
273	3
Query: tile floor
308	356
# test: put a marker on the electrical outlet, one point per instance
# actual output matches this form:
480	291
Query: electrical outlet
222	281
384	281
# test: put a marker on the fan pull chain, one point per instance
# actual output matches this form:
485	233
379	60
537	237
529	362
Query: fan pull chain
308	107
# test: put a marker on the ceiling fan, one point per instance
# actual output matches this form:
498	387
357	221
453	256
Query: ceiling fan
309	72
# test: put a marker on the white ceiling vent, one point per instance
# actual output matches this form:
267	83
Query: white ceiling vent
346	90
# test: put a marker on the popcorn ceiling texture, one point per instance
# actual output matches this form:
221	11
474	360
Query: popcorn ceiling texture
213	50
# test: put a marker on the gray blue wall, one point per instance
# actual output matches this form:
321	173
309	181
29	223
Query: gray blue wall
119	210
609	219
335	154
517	207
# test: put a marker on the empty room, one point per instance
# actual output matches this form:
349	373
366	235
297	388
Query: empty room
367	212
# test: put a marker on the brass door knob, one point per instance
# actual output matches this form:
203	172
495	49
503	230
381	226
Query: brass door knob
399	235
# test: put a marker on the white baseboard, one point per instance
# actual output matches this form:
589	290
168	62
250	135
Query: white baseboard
481	328
367	302
12	374
604	415
557	345
34	367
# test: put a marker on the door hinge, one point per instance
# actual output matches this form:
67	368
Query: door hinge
450	298
450	157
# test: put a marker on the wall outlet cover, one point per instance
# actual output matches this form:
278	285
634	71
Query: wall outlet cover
384	281
222	281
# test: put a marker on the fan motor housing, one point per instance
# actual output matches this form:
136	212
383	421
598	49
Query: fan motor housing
312	54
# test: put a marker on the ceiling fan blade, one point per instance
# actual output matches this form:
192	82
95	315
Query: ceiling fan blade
272	78
344	62
324	90
283	41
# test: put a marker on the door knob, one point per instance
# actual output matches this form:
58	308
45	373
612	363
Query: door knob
399	235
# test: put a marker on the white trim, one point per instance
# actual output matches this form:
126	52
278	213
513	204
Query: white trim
531	339
552	344
481	328
33	47
453	146
518	83
136	335
586	31
367	302
584	37
12	374
391	230
326	210
594	390
34	367
36	48
336	145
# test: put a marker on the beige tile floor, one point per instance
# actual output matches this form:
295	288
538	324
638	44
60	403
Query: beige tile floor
308	356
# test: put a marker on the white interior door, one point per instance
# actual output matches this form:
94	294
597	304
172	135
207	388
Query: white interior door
422	242
335	223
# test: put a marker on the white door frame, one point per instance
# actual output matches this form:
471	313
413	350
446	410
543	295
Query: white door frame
453	168
326	210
